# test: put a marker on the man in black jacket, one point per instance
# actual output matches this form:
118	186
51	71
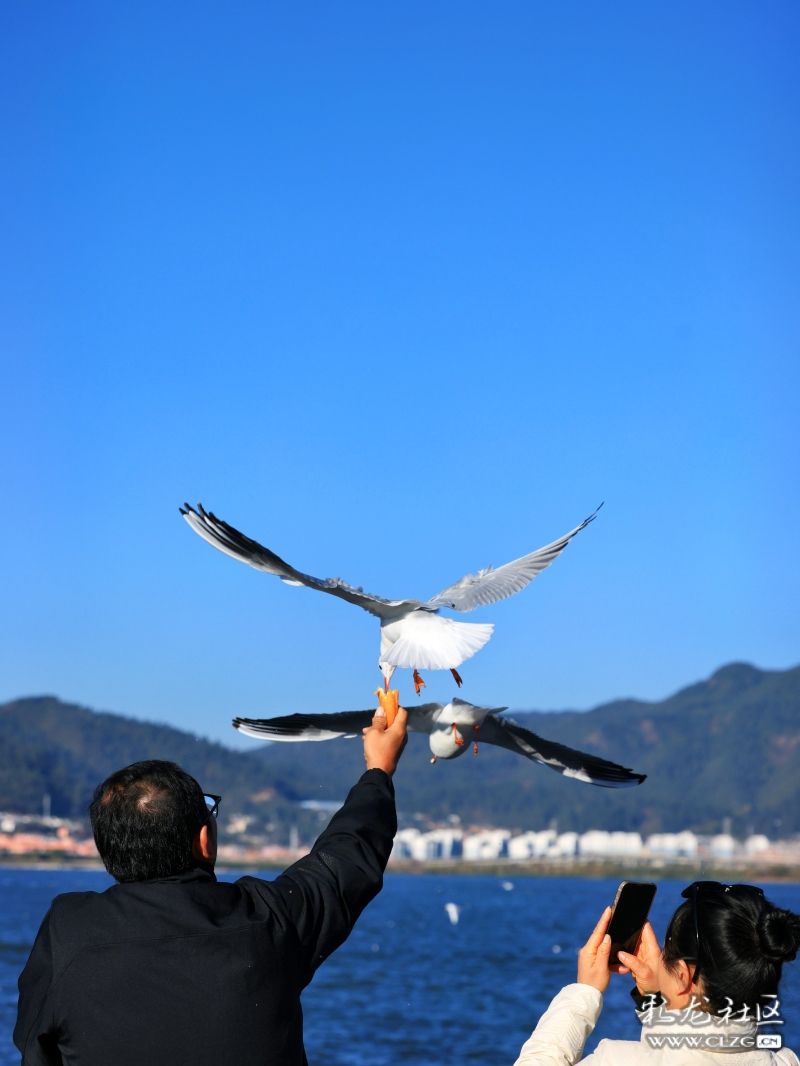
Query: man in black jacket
171	966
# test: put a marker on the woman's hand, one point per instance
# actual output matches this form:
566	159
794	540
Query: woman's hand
644	965
593	968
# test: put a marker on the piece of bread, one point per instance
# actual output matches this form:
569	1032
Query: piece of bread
389	701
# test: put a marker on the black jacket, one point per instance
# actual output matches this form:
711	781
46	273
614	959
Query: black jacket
192	970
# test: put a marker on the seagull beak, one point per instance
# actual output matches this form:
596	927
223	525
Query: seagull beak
385	683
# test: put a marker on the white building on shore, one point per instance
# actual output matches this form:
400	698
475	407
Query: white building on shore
532	845
682	845
602	844
596	845
427	847
486	844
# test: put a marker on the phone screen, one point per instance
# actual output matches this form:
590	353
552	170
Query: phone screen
631	906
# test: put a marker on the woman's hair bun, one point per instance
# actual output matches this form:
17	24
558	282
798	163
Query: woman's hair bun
779	934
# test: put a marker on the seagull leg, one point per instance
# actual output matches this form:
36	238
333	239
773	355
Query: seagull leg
475	730
433	759
419	684
456	677
457	736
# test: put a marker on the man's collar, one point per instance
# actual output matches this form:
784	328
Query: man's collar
197	873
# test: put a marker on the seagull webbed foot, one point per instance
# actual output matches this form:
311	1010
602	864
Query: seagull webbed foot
419	684
456	677
457	736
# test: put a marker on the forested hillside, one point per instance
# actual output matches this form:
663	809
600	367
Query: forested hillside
723	748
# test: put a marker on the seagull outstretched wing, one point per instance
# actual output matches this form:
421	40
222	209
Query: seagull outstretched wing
491	585
229	540
506	733
296	727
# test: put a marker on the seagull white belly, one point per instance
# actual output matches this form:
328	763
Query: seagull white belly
446	744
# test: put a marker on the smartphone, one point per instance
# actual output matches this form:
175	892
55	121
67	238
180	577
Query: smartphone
630	908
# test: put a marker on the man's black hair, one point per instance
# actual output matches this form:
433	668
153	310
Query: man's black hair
145	818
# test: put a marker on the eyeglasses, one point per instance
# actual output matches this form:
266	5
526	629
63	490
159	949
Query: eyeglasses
212	803
710	889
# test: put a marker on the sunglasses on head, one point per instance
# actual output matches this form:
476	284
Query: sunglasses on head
212	803
700	890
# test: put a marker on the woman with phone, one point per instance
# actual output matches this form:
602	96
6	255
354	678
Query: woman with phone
709	992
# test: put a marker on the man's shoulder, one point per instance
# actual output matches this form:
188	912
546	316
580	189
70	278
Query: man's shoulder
121	895
267	897
151	910
72	912
251	883
67	905
70	916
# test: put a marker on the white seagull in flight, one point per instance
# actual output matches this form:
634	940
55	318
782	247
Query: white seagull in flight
448	726
414	634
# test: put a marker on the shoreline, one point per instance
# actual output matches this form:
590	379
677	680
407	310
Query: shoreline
589	869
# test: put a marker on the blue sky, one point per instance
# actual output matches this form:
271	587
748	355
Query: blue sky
400	291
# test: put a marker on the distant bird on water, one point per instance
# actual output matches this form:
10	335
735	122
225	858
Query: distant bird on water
448	727
414	634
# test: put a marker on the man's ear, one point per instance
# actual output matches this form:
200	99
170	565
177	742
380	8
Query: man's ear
203	845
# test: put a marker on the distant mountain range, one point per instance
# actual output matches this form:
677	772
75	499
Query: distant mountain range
725	751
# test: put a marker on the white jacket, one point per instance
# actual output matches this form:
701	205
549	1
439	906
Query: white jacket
559	1037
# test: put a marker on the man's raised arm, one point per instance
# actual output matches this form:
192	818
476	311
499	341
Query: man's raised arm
323	893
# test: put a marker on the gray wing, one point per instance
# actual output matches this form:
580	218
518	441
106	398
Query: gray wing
295	727
229	540
506	733
490	585
301	727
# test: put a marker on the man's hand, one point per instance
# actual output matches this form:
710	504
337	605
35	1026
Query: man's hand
383	745
593	968
644	964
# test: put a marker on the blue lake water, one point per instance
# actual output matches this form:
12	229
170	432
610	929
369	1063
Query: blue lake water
409	986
